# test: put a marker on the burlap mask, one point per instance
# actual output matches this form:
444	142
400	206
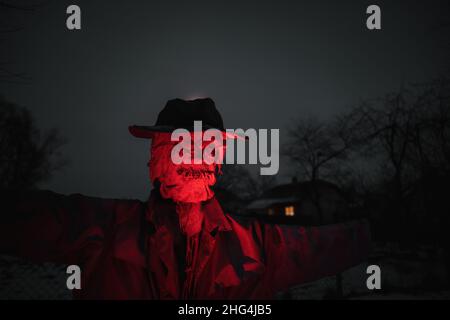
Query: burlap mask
186	184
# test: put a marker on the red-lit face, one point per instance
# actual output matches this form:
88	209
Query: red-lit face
180	182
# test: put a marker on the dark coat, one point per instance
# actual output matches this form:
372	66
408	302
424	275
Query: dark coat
128	249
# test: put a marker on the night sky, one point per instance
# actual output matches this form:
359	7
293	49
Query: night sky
264	64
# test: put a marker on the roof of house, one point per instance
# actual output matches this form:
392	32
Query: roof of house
267	202
292	192
300	188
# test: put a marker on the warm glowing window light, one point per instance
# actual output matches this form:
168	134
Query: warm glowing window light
289	211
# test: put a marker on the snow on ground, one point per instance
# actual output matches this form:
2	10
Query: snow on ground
405	274
20	280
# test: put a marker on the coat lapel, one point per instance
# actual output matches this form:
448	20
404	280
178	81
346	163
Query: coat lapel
128	238
215	223
239	254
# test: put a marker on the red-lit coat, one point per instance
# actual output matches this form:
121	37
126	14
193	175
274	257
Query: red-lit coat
128	249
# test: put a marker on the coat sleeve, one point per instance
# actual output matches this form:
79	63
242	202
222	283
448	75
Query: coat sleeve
288	255
296	254
43	226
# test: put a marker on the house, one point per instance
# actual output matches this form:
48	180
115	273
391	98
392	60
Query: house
310	203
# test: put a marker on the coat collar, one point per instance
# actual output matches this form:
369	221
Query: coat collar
130	234
214	217
241	255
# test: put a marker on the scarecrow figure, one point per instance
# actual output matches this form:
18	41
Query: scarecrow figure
179	244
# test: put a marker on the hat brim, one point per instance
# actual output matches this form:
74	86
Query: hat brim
148	132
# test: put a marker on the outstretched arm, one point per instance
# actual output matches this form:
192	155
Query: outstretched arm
45	226
297	254
287	255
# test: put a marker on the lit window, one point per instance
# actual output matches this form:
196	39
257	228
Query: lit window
289	211
270	212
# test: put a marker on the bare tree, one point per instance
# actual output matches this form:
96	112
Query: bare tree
319	148
408	133
27	156
238	180
430	138
310	146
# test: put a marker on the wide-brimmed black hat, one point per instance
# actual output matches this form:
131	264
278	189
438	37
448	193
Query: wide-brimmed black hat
179	113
